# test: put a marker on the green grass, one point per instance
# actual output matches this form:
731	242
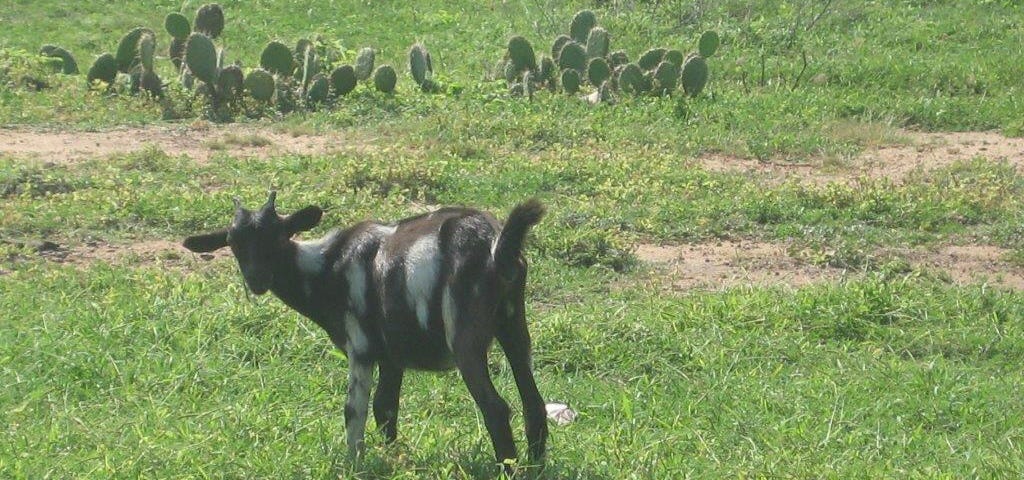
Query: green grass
165	368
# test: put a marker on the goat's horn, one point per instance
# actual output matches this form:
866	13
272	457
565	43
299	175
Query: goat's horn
270	206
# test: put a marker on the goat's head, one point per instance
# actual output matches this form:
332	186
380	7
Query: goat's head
257	239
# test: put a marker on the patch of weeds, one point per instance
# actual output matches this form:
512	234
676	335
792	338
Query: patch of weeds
249	140
36	183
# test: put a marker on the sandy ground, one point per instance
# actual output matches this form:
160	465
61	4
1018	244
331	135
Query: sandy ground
713	266
199	141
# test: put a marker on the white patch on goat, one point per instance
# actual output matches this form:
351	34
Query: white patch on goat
358	342
449	312
356	278
385	230
422	265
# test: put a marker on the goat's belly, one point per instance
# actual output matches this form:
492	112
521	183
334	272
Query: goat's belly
418	349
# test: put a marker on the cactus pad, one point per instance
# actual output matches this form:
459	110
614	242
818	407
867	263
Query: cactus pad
618	58
230	83
68	64
708	44
631	78
343	80
260	85
556	48
597	43
277	59
128	49
364	64
318	89
581	25
419	64
695	75
521	53
384	78
210	20
674	56
570	81
103	69
666	77
651	58
573	56
598	71
177	25
201	57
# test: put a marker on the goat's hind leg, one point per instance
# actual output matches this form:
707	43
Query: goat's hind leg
470	348
385	400
515	341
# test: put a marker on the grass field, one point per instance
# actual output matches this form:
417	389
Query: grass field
125	356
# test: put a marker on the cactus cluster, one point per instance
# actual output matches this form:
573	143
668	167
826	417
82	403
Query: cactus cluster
584	58
68	65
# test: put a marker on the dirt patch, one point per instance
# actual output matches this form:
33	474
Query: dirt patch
199	141
925	151
143	252
727	263
724	264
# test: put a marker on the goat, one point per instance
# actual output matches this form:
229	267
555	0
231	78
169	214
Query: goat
430	292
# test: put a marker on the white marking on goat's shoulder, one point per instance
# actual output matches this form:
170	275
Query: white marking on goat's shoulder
310	257
385	229
355	276
449	313
358	342
422	265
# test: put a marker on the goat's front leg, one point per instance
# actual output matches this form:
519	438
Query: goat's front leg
385	400
357	404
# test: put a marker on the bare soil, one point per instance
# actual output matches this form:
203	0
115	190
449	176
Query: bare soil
199	141
893	161
724	264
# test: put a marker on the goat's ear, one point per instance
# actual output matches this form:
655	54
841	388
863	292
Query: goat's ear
303	220
207	242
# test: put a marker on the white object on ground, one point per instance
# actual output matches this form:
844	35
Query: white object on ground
560	413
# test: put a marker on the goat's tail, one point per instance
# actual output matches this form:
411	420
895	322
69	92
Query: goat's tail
509	246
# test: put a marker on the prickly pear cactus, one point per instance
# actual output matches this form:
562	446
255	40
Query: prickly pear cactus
176	51
708	44
308	68
695	75
364	64
384	78
581	25
520	52
147	50
674	56
201	57
556	48
573	56
230	83
103	69
343	80
128	49
570	81
277	59
177	25
151	84
68	64
630	78
210	20
318	90
598	43
299	56
651	58
666	77
547	70
510	72
618	58
598	71
419	64
260	85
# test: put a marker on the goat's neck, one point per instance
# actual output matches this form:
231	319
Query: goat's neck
298	275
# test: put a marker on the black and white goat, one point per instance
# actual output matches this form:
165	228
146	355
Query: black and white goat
430	292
